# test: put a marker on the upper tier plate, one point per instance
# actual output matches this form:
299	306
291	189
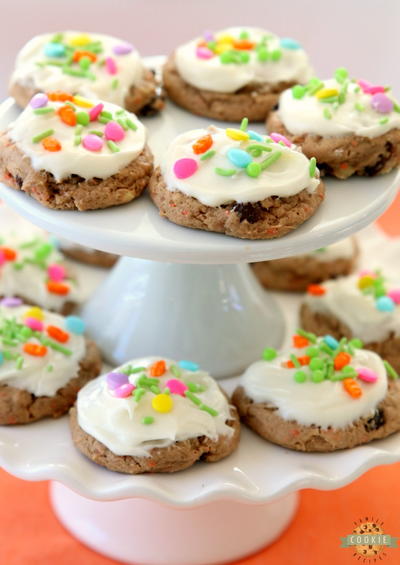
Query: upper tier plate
137	230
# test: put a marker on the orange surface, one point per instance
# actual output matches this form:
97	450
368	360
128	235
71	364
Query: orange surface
31	535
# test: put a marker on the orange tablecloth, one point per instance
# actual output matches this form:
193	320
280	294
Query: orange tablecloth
31	535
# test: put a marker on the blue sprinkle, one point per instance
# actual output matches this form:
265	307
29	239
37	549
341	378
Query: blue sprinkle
385	304
331	342
239	158
254	135
54	50
288	43
189	365
1	358
75	324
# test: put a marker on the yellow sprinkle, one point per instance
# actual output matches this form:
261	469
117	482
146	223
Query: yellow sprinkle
222	47
225	38
80	40
82	102
237	134
326	93
365	281
34	312
162	403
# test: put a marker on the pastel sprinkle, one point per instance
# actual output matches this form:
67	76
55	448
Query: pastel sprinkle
269	354
34	312
111	66
124	390
203	52
43	135
114	131
176	386
277	137
225	172
113	146
207	155
254	135
238	157
367	375
381	103
54	50
185	168
385	304
82	118
392	373
122	49
56	272
299	91
75	324
288	43
394	295
95	111
92	142
147	420
43	111
34	324
131	125
253	169
162	403
237	134
39	100
188	365
331	341
312	167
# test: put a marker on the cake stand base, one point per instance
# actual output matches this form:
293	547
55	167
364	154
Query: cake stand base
215	315
143	532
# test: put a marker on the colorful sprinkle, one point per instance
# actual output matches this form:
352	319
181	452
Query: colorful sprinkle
95	111
51	144
43	135
316	290
352	388
162	403
10	302
269	354
288	43
114	132
67	115
381	103
203	52
237	134
385	304
34	324
34	312
115	380
277	137
57	333
238	157
75	325
92	142
331	342
54	50
367	375
111	66
185	168
39	100
312	167
202	145
122	49
82	118
35	350
158	368
124	390
176	386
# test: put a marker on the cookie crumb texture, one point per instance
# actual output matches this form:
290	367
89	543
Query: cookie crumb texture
322	324
18	406
73	193
267	219
265	420
254	100
179	456
347	155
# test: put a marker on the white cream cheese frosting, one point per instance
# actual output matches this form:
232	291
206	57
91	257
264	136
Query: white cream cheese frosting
53	62
131	414
238	166
341	107
31	267
235	57
109	140
31	359
369	317
325	403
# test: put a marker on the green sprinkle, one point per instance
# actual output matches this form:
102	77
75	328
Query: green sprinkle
276	55
147	420
42	135
348	372
18	266
155	389
194	387
317	376
313	166
309	335
114	84
295	361
57	38
244	123
225	172
113	146
57	347
78	129
396	107
77	140
300	376
226	58
244	34
357	343
270	160
329	100
312	351
45	110
341	74
207	155
392	373
316	363
106	114
84	63
138	394
253	169
262	54
103	120
208	409
195	399
74	72
298	91
175	370
19	362
49	368
384	121
96	132
269	354
256	149
326	349
313	85
243	57
122	123
360	107
343	93
82	118
327	114
131	125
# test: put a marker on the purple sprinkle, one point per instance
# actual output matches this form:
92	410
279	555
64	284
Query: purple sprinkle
208	35
39	100
11	302
381	103
115	380
122	49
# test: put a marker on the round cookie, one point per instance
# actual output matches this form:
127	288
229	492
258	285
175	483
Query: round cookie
91	65
322	395
32	269
366	306
352	127
87	255
233	73
44	361
295	274
154	415
73	154
237	182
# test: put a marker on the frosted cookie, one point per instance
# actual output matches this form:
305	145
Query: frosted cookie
73	154
237	182
365	306
352	127
154	415
32	269
321	395
87	255
297	273
92	65
233	73
44	361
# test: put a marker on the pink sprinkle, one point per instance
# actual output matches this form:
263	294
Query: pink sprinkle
124	390
367	375
277	137
176	386
395	295
204	53
369	88
366	273
123	49
39	100
56	272
92	142
381	103
111	66
2	258
95	111
35	324
184	168
114	131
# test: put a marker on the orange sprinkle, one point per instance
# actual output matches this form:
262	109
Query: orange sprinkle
58	334
59	96
303	360
9	254
352	388
341	360
67	115
158	368
56	287
243	44
316	289
343	165
35	349
202	145
79	54
300	341
51	144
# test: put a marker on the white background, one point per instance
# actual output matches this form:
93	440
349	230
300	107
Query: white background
360	34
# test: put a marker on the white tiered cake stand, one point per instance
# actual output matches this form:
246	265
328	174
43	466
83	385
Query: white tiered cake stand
187	294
